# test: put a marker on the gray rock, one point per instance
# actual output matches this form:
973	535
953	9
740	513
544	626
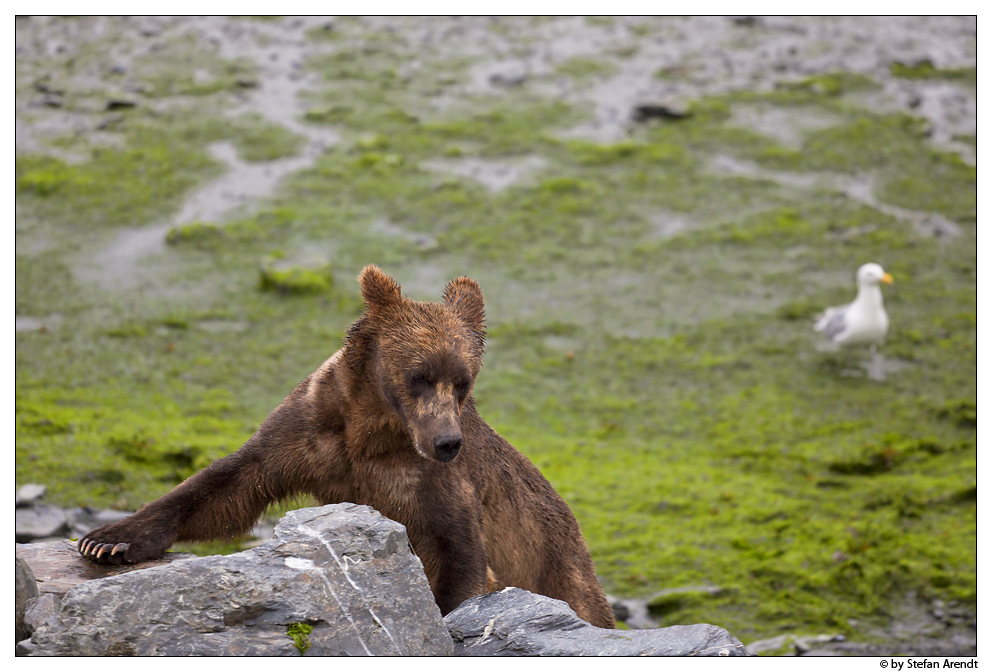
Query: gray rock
40	610
633	612
640	613
515	622
770	644
821	653
29	494
120	104
25	591
508	73
50	100
39	522
792	644
343	569
621	610
58	566
669	109
84	520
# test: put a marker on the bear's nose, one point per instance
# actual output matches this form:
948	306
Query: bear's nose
446	446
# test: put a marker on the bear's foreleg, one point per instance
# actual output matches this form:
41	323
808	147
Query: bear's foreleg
454	558
222	501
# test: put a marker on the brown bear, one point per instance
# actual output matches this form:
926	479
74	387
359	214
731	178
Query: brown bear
389	421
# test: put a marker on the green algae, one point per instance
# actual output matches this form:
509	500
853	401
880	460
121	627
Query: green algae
925	69
203	235
300	634
830	84
667	383
184	68
294	279
117	187
584	67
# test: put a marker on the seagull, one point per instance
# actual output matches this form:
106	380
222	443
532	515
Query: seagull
862	322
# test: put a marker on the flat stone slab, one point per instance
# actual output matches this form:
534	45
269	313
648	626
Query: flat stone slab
58	566
515	622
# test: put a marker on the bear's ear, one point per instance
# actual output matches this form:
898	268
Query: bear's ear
465	296
378	288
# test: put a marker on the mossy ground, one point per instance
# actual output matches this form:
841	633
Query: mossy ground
665	381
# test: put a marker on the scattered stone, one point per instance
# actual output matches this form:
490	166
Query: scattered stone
669	110
746	21
792	644
110	121
343	572
29	494
136	87
508	73
765	645
45	86
120	104
674	599
25	591
515	622
263	530
621	612
937	610
84	519
639	618
39	522
935	226
51	100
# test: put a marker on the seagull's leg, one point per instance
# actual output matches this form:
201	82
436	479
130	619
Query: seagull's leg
876	372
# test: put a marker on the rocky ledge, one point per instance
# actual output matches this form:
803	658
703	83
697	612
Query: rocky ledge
334	580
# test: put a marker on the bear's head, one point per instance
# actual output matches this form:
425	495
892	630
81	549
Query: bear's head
423	357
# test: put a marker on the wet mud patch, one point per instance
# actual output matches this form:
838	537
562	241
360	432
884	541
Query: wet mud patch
667	225
386	228
494	174
859	188
788	126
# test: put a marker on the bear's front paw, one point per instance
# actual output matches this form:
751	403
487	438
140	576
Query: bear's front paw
105	553
114	545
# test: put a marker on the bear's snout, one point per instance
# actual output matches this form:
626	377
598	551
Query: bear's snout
446	446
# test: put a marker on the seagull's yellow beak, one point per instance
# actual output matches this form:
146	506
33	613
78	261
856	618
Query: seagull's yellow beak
887	278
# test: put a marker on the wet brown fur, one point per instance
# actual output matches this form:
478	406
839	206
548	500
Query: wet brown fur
375	425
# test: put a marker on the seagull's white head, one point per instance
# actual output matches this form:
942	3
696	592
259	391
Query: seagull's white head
872	274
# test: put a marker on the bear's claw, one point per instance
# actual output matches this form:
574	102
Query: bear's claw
103	553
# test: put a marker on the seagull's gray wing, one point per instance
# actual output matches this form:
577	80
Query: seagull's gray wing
832	321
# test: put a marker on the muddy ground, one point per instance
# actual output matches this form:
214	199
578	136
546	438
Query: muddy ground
705	56
655	207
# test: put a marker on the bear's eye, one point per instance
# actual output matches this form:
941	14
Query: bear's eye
462	387
420	382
